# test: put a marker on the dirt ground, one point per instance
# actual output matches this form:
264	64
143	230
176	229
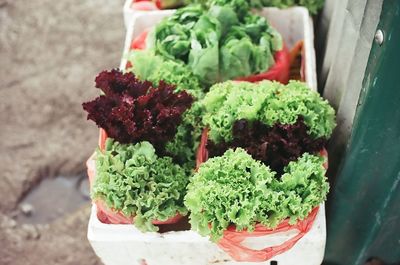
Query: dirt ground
50	52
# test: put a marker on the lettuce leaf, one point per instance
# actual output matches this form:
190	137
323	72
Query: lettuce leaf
172	37
230	101
295	100
203	55
267	102
241	7
249	48
132	110
186	141
226	16
236	189
154	68
132	179
275	146
221	41
312	5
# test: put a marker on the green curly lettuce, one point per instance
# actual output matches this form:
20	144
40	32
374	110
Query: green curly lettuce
268	102
132	179
304	182
187	139
227	190
297	99
148	66
230	101
236	189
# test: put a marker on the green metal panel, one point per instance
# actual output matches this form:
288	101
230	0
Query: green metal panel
364	204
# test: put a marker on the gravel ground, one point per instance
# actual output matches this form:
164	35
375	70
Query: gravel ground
50	53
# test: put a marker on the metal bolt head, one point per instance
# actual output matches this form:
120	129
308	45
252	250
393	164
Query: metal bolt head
379	37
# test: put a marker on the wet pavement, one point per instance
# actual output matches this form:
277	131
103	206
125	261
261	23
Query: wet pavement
50	52
68	193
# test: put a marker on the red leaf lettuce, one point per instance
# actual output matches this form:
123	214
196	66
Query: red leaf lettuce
131	111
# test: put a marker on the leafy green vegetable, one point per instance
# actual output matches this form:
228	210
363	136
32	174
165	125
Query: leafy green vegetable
217	43
249	49
312	5
229	101
184	146
155	68
204	52
172	37
131	178
148	66
268	102
241	7
236	189
226	16
295	100
304	181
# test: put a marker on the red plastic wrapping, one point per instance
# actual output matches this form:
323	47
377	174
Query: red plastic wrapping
144	6
139	43
280	71
104	213
108	216
232	240
157	4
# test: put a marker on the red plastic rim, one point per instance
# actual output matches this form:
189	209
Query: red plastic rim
109	216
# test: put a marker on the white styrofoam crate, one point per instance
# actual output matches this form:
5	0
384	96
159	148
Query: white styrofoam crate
129	12
124	244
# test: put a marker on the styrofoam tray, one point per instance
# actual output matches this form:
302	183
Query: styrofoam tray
124	244
294	24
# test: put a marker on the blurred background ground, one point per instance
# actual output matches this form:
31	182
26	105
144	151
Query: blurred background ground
50	52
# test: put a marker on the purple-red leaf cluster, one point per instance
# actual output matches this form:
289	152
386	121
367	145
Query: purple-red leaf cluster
275	146
131	110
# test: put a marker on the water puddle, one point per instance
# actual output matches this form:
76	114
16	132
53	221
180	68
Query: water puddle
52	198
